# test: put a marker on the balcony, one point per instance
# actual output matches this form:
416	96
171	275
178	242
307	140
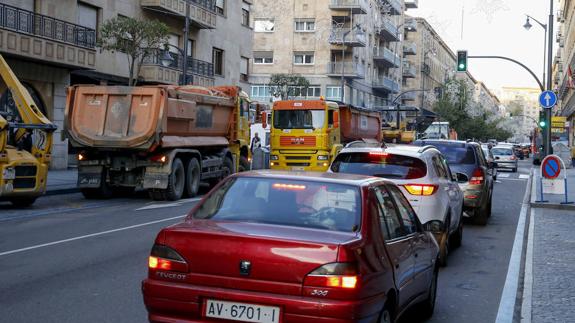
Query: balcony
385	57
392	7
409	71
358	7
385	84
199	72
350	70
387	30
344	36
410	24
202	12
409	48
43	38
411	4
409	96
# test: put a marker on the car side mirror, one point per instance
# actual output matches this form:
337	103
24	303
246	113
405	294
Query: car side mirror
461	178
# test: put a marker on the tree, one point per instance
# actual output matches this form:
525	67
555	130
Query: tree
286	85
138	39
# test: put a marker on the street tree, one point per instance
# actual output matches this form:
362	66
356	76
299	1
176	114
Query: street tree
287	85
137	38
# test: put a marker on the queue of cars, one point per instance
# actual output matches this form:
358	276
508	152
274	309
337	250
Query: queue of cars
360	243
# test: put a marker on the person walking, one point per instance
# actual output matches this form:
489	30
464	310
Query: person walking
256	142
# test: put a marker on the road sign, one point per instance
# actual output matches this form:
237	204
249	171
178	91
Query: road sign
551	167
547	99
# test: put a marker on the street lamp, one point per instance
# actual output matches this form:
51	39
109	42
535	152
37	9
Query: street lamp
528	26
167	60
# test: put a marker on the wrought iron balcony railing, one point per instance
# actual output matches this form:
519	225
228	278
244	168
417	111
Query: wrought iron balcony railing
195	66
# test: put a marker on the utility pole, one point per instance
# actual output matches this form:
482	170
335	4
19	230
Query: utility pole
186	37
548	112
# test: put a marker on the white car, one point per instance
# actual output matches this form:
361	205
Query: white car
505	157
425	179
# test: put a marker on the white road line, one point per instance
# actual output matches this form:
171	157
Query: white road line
509	294
515	179
502	175
523	176
164	205
88	236
528	278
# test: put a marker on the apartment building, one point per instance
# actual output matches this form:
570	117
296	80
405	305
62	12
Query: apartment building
524	103
51	44
486	99
565	64
349	50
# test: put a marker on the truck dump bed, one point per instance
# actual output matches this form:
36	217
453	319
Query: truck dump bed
149	116
358	124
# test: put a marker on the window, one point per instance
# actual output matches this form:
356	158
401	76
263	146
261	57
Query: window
303	58
87	16
405	210
221	7
333	93
299	119
244	71
264	25
218	61
245	14
262	91
438	165
174	41
263	57
313	91
190	48
391	226
381	165
304	25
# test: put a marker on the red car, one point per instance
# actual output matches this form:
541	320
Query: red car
275	247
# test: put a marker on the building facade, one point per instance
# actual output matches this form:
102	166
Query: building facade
522	103
349	50
565	64
51	44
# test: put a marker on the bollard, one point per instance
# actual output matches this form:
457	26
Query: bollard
541	200
566	195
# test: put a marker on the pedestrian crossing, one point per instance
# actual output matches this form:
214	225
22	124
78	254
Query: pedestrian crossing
512	176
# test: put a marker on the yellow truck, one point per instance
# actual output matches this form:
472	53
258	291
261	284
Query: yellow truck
25	146
307	134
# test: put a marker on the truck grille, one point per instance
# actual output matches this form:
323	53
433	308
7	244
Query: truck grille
303	141
297	164
297	157
24	183
25	171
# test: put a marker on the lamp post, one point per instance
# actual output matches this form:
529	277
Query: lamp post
528	26
167	59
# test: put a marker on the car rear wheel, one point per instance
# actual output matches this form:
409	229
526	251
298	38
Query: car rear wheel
457	237
480	215
385	316
428	305
444	246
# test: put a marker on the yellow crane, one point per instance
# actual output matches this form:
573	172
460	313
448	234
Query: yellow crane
25	146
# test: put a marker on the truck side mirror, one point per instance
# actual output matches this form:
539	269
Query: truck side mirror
264	119
336	119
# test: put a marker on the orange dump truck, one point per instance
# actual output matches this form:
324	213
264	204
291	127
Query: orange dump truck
307	134
165	139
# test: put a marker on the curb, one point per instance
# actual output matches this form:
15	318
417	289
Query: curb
570	207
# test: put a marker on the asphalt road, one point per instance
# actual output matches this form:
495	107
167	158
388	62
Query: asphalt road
67	259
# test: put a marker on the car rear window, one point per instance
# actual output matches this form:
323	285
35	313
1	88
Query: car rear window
502	151
308	204
455	153
379	164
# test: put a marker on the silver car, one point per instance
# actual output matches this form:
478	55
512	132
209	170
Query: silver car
504	157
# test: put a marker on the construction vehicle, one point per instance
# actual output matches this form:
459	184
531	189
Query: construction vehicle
25	145
165	139
398	135
440	130
307	134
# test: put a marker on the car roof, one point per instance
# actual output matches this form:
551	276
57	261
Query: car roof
503	147
439	141
405	150
335	178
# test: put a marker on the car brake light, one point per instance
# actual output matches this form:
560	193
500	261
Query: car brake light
420	189
166	258
295	187
477	177
334	275
378	153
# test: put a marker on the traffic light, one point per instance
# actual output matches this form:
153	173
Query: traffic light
461	60
542	120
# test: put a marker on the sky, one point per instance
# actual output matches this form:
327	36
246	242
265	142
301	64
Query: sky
493	27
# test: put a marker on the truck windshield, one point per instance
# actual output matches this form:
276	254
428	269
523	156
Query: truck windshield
299	119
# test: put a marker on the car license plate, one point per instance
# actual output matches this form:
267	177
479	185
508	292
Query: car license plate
242	312
297	168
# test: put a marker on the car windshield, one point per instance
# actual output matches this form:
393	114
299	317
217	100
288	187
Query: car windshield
380	164
299	119
502	151
319	205
455	153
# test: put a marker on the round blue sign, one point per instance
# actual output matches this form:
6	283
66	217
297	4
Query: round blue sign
547	99
551	167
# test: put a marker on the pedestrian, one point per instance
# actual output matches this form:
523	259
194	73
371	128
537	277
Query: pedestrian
256	142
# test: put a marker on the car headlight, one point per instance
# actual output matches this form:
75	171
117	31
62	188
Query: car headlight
322	157
274	157
9	173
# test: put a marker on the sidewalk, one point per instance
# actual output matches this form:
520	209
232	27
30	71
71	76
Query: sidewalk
62	181
550	258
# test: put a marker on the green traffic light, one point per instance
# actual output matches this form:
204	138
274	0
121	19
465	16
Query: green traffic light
542	124
461	66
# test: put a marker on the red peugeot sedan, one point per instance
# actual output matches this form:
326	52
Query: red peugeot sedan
278	247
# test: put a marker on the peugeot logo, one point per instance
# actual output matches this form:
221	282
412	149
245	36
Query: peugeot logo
245	267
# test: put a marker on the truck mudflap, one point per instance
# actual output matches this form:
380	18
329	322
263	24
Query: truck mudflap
156	178
90	176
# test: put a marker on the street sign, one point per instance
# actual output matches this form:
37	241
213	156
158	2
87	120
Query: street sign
547	99
551	167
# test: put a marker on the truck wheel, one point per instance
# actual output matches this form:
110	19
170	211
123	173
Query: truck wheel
176	181
193	174
23	201
227	167
244	164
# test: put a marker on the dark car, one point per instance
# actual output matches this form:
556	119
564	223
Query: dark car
468	158
275	247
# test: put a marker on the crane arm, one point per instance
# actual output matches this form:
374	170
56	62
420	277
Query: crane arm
32	117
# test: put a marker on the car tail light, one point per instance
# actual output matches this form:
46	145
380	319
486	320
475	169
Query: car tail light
166	258
477	177
335	275
420	189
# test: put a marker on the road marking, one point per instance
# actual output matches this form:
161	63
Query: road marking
509	294
5	253
523	176
528	277
515	179
502	175
164	205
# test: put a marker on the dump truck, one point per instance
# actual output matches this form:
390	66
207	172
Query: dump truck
25	145
307	134
165	139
